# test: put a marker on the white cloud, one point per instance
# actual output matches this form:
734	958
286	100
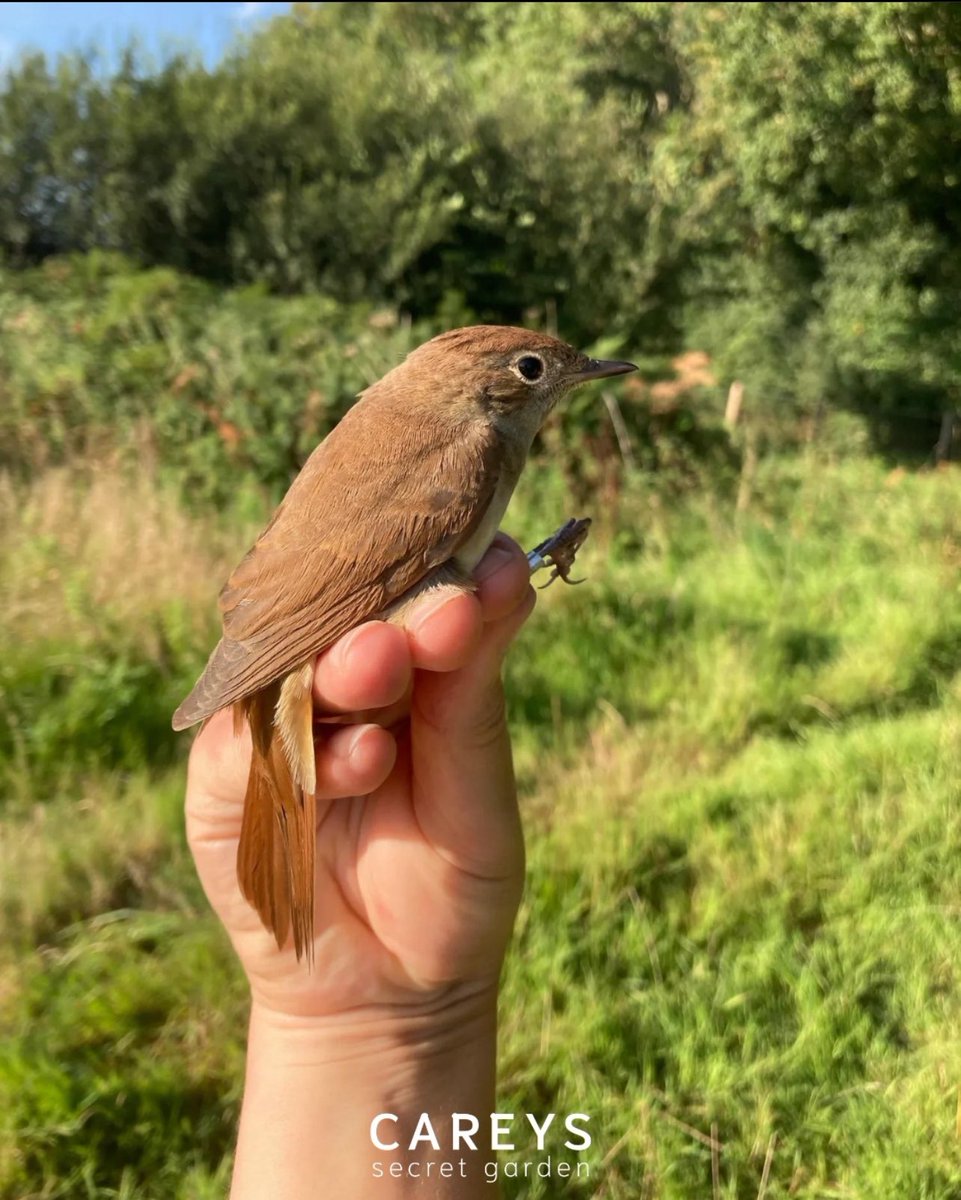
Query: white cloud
247	10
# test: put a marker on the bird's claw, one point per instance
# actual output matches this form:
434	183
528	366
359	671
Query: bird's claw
560	550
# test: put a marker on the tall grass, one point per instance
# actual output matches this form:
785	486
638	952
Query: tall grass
736	742
108	591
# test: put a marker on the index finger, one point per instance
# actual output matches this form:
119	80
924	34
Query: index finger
371	666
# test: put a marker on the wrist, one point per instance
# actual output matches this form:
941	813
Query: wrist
347	1093
370	1038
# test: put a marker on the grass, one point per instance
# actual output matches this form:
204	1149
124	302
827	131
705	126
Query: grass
740	942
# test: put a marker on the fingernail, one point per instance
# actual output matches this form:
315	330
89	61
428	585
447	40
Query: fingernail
349	643
426	608
496	558
344	747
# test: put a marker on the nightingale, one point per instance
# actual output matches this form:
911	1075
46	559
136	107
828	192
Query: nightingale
404	495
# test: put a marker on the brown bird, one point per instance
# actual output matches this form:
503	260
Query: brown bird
405	494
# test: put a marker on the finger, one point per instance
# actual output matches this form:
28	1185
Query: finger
453	703
465	798
350	761
502	575
370	667
354	761
445	628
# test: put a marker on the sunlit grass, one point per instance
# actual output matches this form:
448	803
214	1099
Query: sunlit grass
736	745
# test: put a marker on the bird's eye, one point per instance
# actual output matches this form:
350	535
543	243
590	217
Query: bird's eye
531	367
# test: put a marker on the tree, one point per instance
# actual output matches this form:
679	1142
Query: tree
815	187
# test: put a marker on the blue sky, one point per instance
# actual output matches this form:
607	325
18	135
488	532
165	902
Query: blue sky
53	28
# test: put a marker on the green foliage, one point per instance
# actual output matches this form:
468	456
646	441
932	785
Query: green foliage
115	1069
226	392
774	184
416	155
217	387
812	182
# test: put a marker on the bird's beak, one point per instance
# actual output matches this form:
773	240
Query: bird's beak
600	368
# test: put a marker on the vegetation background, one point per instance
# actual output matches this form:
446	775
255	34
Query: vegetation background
740	947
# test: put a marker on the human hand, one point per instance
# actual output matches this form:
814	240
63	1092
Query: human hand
419	848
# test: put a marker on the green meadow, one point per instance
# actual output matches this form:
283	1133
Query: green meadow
736	742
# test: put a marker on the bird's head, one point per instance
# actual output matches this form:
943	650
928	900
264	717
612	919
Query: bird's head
506	370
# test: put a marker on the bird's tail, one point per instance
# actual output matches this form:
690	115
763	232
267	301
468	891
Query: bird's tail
275	858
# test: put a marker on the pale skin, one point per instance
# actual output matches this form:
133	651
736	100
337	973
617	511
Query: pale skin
419	875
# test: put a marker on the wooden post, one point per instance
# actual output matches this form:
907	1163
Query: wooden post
745	485
735	397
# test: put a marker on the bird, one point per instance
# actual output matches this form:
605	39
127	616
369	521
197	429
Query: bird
404	495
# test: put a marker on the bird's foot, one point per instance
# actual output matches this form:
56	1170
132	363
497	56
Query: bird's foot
560	550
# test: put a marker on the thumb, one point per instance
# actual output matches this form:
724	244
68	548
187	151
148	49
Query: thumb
464	793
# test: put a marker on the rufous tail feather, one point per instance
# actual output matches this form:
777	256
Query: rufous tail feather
275	858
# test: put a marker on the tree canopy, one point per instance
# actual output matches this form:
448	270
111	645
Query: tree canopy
778	185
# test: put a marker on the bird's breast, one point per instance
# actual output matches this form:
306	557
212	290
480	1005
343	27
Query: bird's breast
515	440
474	549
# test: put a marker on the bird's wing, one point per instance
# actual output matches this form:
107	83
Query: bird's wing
342	547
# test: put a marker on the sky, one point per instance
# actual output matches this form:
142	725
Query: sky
54	28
